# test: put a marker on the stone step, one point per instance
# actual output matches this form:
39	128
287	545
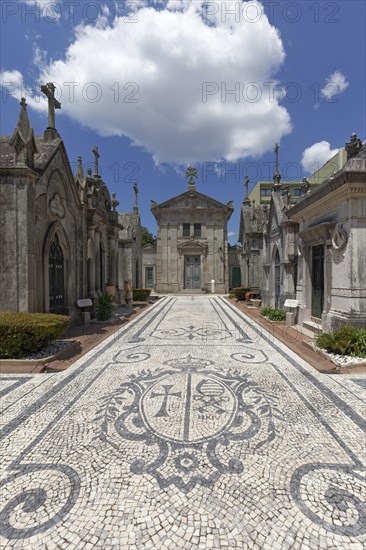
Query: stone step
313	326
303	330
191	291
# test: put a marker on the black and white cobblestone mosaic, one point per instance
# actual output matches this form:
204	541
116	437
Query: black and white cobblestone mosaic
190	428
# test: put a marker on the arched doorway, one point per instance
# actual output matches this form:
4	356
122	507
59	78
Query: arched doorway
56	277
277	279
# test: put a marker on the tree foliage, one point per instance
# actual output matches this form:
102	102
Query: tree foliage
147	237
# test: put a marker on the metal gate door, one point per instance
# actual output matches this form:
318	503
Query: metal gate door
149	277
317	281
236	277
56	278
192	272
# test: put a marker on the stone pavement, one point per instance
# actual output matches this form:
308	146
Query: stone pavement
191	427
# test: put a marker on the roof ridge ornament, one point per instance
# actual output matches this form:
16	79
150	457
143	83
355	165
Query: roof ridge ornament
135	203
23	140
49	91
79	174
191	173
277	176
353	146
96	162
246	200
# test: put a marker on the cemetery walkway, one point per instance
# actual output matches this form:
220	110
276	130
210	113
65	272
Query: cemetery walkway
189	428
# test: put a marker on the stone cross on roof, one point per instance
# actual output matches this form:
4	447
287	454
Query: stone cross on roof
96	161
49	91
191	173
246	185
135	190
277	177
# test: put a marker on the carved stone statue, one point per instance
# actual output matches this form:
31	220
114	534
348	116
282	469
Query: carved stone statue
354	146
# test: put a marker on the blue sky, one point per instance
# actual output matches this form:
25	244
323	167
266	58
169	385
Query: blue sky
149	84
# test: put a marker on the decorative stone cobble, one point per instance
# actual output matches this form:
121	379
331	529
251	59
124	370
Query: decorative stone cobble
51	349
192	427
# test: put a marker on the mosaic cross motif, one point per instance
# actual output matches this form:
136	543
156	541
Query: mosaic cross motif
188	413
209	331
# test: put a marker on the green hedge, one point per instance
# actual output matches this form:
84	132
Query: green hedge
240	293
141	294
274	314
345	340
25	333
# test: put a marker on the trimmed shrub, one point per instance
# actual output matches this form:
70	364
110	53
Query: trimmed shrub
104	306
345	340
141	294
240	293
265	311
24	333
274	314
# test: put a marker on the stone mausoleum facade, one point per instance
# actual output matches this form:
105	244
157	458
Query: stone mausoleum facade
313	251
192	247
61	238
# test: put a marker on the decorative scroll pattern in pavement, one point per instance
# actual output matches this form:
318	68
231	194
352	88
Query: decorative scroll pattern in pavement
176	434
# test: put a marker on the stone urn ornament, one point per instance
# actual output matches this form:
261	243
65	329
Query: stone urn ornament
128	291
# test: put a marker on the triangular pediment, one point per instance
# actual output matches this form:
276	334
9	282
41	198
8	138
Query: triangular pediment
192	199
192	244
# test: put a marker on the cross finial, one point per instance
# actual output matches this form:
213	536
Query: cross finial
135	190
246	200
96	161
114	202
49	91
277	177
246	185
191	173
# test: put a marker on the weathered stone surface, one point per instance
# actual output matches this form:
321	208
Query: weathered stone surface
176	245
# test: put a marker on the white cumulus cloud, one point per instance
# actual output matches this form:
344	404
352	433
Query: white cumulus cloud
13	86
147	80
48	9
315	156
335	84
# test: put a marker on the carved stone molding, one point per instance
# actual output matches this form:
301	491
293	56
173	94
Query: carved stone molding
349	292
56	206
340	237
317	233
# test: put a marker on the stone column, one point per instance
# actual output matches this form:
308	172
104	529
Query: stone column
97	261
111	260
91	262
91	278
